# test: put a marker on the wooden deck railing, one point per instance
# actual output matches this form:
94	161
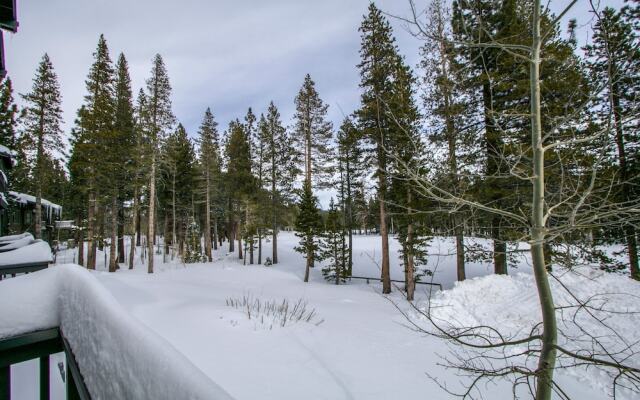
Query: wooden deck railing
24	268
40	345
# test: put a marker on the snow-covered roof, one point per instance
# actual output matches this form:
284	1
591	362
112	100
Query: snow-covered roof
7	152
36	252
25	199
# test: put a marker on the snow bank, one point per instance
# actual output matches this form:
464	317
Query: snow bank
36	252
119	357
510	303
29	303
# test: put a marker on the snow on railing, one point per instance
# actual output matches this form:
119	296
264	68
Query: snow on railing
25	251
118	356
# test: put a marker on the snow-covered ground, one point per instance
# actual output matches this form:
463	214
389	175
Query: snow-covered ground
358	347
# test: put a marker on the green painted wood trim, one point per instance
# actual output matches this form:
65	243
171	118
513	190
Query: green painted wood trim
5	383
29	346
76	389
44	378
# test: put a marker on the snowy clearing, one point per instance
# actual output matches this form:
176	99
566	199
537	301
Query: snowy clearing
362	349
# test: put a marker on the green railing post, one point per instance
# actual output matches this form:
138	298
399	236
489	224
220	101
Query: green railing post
5	383
72	389
44	378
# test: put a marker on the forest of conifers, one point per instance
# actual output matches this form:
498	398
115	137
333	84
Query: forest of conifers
442	148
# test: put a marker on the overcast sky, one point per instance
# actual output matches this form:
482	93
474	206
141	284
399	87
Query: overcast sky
225	54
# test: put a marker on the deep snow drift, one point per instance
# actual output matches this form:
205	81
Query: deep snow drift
362	349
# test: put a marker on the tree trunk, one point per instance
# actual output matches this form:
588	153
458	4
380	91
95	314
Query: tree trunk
499	250
40	153
460	267
167	242
385	273
120	234
309	263
102	226
136	227
152	213
173	214
231	234
260	246
80	244
411	283
250	243
546	362
138	217
215	233
91	248
113	257
239	237
274	221
207	220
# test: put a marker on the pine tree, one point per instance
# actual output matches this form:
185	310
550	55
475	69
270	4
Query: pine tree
308	228
193	249
312	134
379	61
260	167
280	169
499	79
614	63
178	177
334	247
240	183
408	161
446	99
8	114
119	145
159	120
350	180
41	121
95	127
209	157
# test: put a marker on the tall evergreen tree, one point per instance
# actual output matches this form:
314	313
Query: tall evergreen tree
42	119
8	114
312	134
350	180
138	168
260	168
96	124
614	63
446	99
280	169
120	146
309	228
176	194
379	60
408	161
159	120
209	157
334	247
240	183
